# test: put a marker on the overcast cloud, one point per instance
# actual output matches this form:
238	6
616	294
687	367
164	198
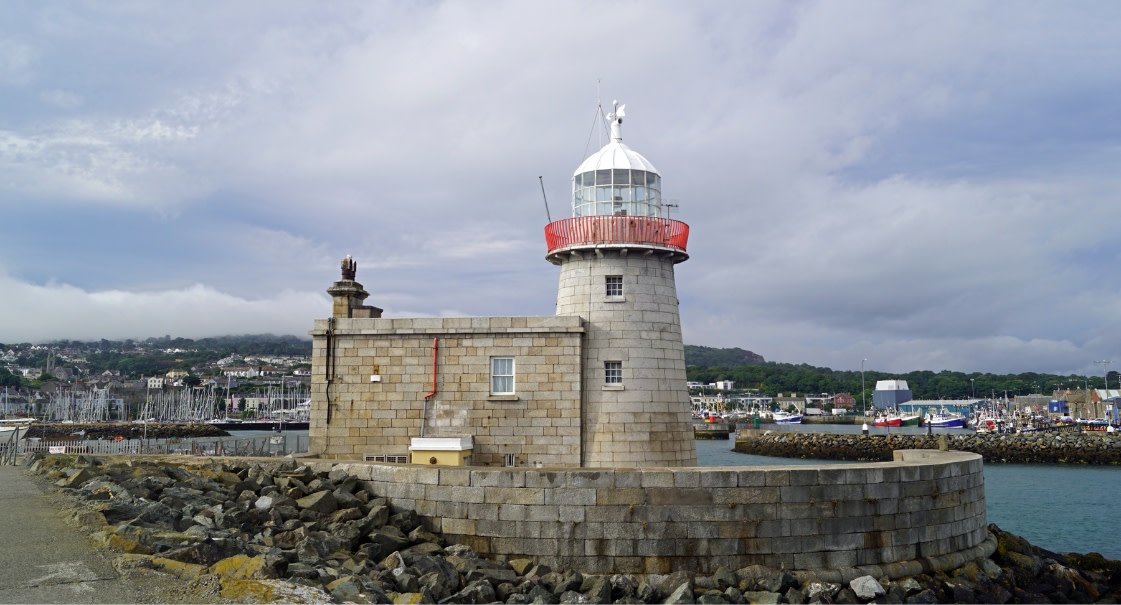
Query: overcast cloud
926	185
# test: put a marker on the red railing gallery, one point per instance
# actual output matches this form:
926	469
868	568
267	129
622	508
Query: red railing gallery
638	230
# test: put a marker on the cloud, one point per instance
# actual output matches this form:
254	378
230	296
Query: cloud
16	61
914	184
62	99
59	311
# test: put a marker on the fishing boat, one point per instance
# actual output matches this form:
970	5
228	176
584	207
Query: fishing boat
988	421
788	417
896	419
945	420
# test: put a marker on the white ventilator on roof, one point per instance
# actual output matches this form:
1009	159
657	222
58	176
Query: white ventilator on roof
616	180
892	385
616	154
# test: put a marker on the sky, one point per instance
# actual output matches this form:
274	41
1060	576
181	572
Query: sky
897	186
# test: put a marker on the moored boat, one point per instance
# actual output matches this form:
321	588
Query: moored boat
887	420
11	432
946	420
14	427
891	419
990	422
787	417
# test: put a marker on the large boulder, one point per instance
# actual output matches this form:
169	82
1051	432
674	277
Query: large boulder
867	588
322	502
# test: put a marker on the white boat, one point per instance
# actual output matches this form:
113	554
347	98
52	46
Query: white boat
989	422
14	428
788	417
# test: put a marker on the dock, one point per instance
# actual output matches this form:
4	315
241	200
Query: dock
713	430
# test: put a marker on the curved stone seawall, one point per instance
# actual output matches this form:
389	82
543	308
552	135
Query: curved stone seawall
1021	448
924	510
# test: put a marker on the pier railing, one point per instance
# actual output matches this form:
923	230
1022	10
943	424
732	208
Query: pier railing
618	230
8	449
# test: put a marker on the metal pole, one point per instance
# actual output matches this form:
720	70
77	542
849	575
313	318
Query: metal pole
863	397
1105	376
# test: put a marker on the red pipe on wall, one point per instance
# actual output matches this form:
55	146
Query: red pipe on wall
435	346
432	393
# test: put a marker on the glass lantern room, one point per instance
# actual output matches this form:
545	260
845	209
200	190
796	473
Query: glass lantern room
616	180
617	191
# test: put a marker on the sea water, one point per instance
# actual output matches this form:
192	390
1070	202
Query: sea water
1061	508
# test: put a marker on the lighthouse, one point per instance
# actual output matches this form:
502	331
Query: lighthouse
617	255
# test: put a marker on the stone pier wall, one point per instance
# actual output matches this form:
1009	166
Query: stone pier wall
925	506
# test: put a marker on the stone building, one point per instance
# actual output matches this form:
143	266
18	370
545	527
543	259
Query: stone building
599	384
501	419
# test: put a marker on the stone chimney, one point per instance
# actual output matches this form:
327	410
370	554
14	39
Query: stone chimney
348	295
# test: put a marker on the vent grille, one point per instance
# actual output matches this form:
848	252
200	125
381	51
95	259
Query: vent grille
388	458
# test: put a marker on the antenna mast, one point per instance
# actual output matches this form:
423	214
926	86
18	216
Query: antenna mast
547	216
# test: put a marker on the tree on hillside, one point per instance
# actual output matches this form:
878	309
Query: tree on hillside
8	379
773	378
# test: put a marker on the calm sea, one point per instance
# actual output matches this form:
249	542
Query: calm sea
1062	508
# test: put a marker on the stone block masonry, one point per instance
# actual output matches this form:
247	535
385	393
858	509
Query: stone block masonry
925	510
645	419
371	377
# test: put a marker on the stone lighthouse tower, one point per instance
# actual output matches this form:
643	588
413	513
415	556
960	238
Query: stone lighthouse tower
617	254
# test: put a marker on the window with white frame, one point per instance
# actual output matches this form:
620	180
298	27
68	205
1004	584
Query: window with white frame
614	285
502	375
613	372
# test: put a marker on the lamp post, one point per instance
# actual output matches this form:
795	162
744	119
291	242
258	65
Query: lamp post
973	388
1105	376
863	397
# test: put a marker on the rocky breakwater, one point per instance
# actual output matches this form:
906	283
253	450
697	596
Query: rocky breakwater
125	430
1022	448
258	531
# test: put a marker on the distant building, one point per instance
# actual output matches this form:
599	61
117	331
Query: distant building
784	401
241	372
844	401
890	393
1033	404
751	402
1104	402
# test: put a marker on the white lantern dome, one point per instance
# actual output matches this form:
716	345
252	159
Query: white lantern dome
616	180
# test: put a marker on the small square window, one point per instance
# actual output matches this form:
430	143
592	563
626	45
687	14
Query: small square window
502	375
614	285
613	372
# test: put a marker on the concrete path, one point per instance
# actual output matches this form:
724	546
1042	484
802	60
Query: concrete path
45	560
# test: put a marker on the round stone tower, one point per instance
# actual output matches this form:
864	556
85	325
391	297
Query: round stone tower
617	255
